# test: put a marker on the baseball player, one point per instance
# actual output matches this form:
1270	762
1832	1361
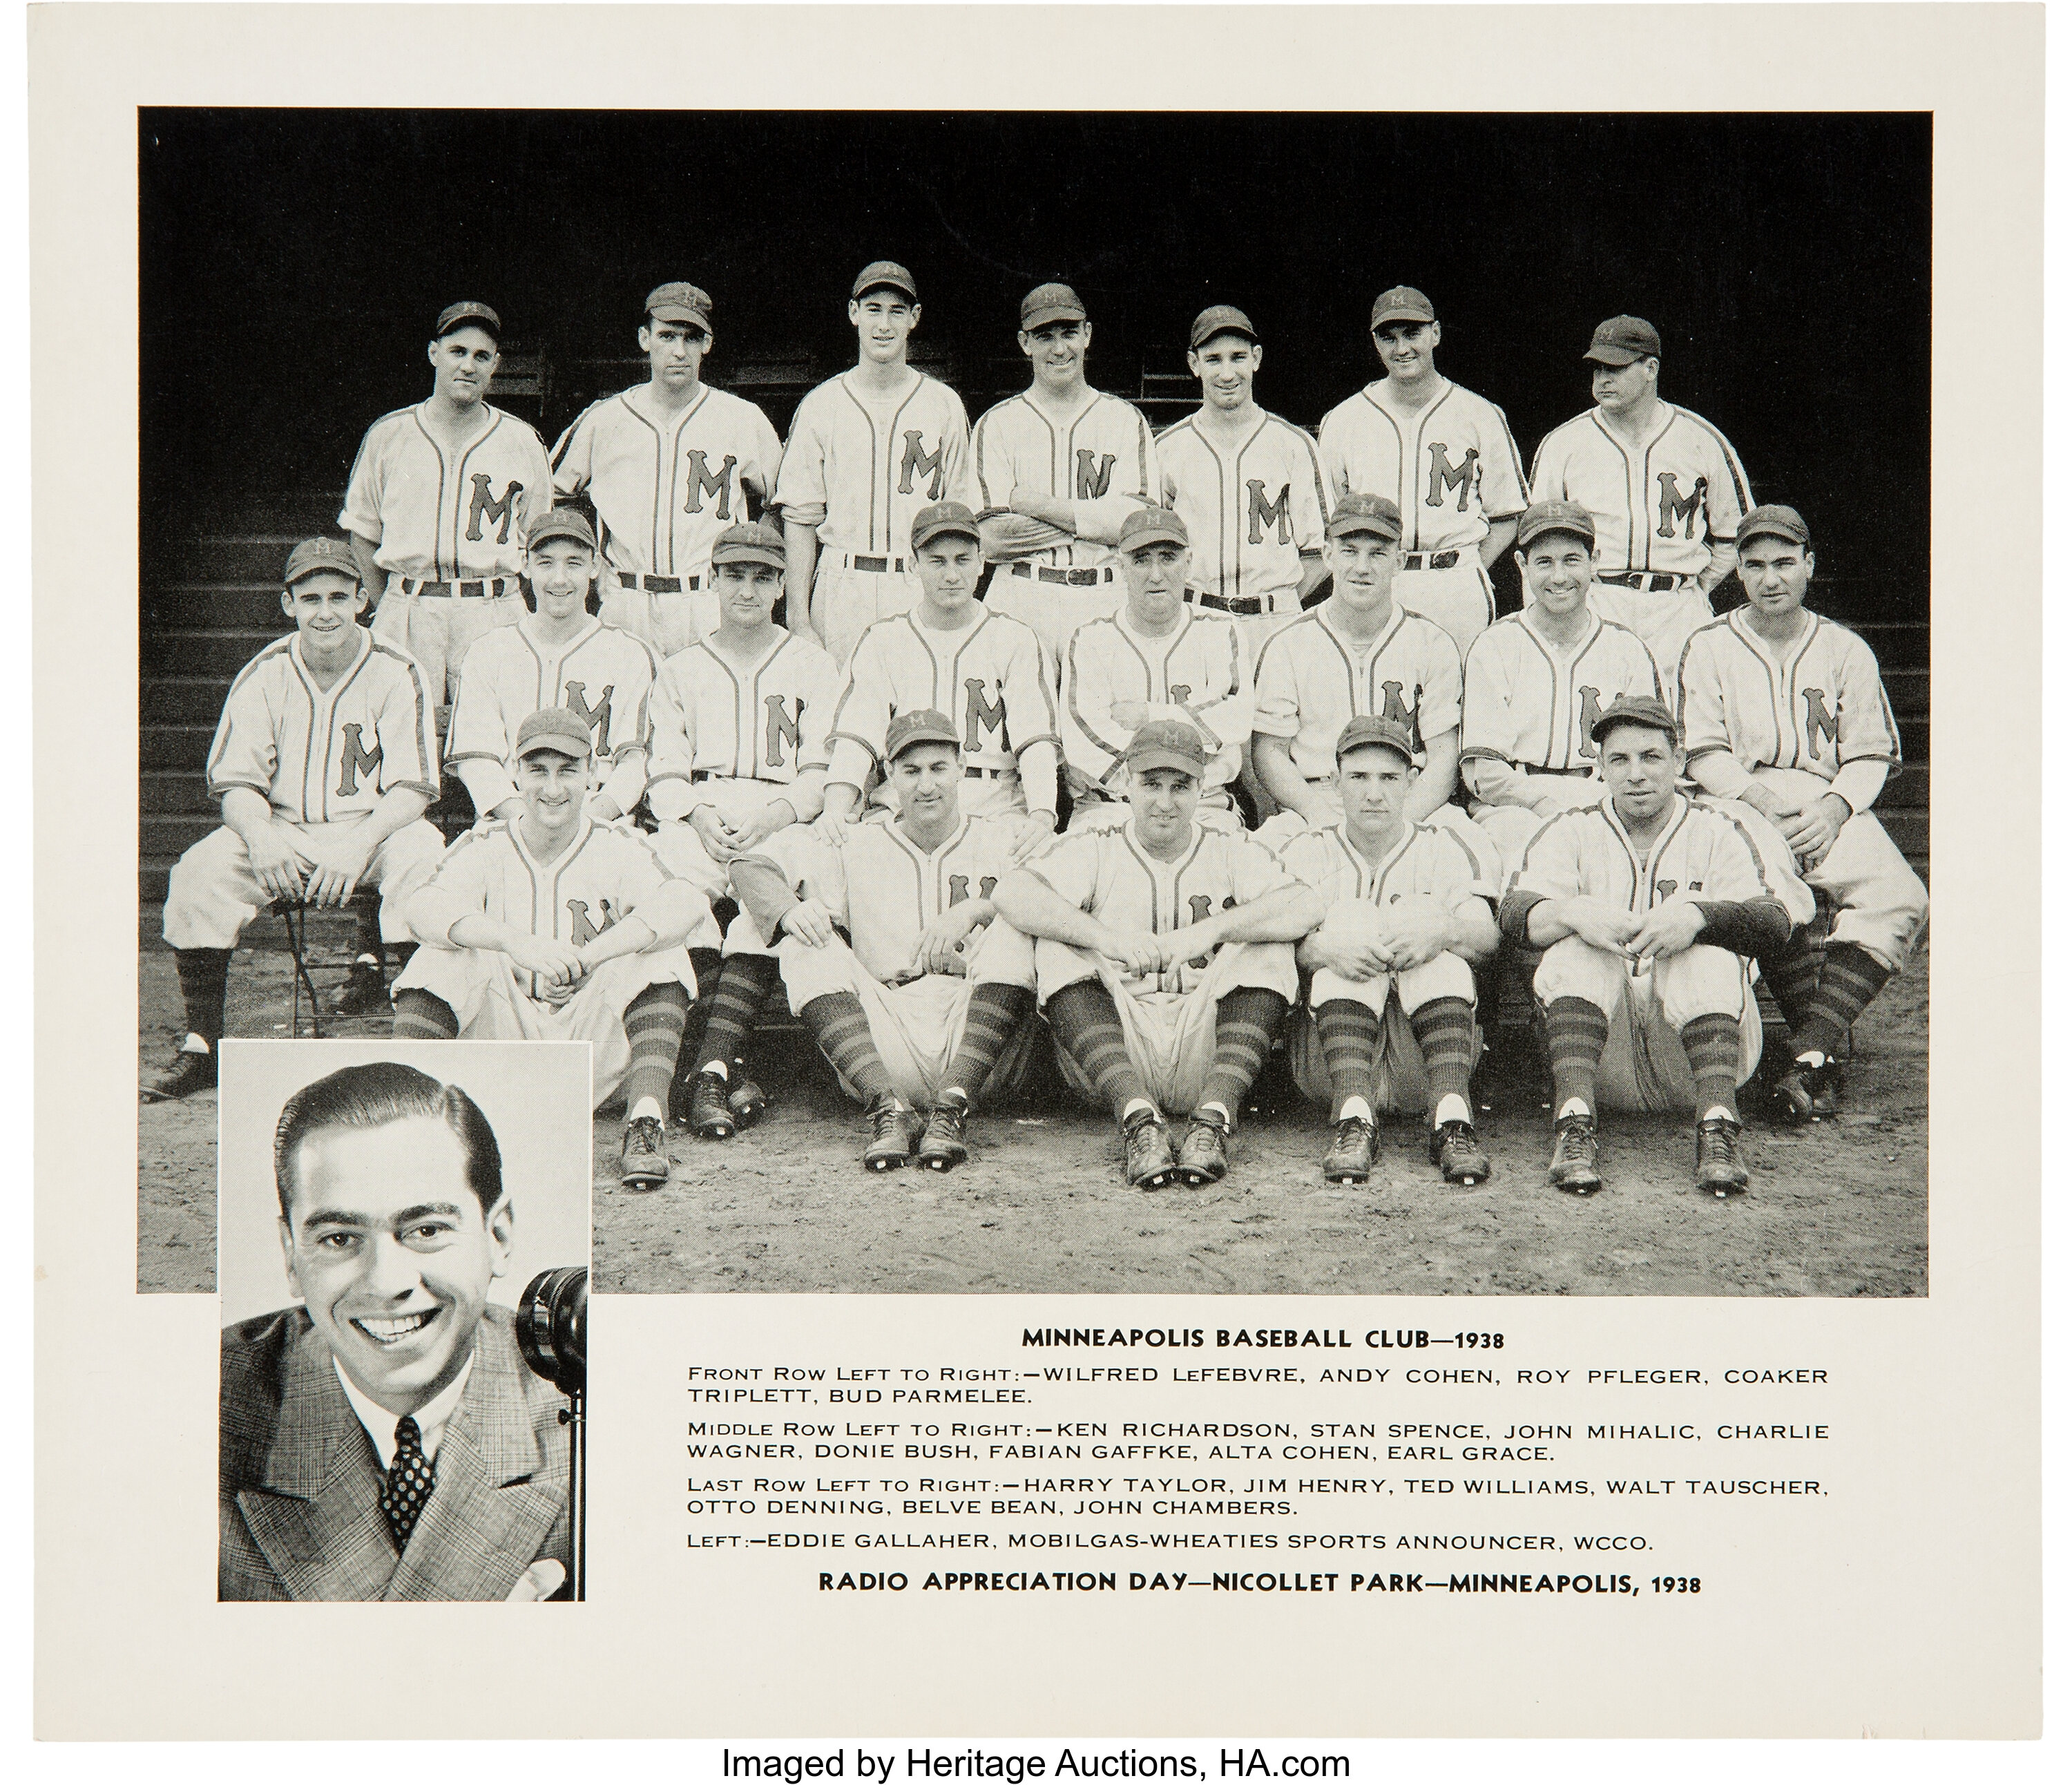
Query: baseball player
1163	961
1444	454
950	654
438	503
1058	469
669	465
739	725
557	654
552	927
1388	1018
1249	485
927	1004
1536	682
868	451
1784	710
1647	907
1663	485
325	761
1158	658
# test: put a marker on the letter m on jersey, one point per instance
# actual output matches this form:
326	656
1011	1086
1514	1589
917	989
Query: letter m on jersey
1265	514
502	510
581	929
354	760
918	458
1446	478
1819	719
1088	484
1676	508
779	728
597	718
1393	706
983	716
703	483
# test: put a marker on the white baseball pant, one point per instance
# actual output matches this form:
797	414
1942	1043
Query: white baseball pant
212	895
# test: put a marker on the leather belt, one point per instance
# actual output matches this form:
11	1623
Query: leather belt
1431	561
858	562
1235	604
468	591
1075	579
1647	581
990	774
658	586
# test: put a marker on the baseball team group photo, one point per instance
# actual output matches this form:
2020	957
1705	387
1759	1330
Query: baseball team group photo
1260	704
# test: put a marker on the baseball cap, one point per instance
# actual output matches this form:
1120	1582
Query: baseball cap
1150	527
467	314
319	554
944	517
1358	513
561	524
924	726
1402	303
1052	303
1556	517
1220	319
1776	520
561	729
1622	339
1370	729
752	542
680	302
1634	709
1168	743
885	273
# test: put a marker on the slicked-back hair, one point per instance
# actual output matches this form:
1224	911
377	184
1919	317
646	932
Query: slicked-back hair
375	1094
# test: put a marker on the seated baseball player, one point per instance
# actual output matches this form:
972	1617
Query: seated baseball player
950	654
927	1003
1388	1020
1159	658
552	927
1785	711
738	726
325	760
1649	908
1163	961
1538	679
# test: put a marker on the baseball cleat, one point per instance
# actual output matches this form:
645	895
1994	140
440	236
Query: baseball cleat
1458	1154
1808	1093
1720	1167
1204	1155
747	1101
643	1157
1351	1154
710	1116
943	1140
1147	1152
1574	1166
365	993
189	1073
891	1135
1824	1082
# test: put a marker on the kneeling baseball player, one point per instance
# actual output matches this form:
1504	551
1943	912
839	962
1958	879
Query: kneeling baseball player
927	1003
1163	960
1389	1020
553	927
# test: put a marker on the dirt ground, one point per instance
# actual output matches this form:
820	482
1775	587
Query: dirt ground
1040	1207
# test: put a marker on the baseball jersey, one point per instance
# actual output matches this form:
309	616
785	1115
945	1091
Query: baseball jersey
512	672
1450	471
438	515
1312	679
1698	851
321	755
666	490
1111	876
1103	461
988	678
1199	672
1526	702
869	464
1658	507
1432	861
766	721
1251	512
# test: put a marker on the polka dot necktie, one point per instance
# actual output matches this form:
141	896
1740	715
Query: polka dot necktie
409	1485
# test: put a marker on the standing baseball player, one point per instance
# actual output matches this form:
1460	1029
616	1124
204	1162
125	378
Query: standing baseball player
1057	470
669	465
1446	458
1163	960
868	451
551	927
739	725
1387	1023
1664	488
1158	658
927	1005
1785	711
325	761
1650	909
952	654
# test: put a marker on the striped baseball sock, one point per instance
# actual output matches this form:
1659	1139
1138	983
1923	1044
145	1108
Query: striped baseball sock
839	1025
1083	1018
744	981
1445	1030
424	1016
1246	1020
1351	1037
205	984
1793	975
705	966
1713	1044
1577	1032
655	1030
1849	979
995	1013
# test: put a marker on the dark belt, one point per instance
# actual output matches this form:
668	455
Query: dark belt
1582	774
1649	582
657	586
988	774
1075	579
1236	604
1431	561
857	562
468	591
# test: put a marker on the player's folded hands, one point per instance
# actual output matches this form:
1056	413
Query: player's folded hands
936	951
556	962
811	922
1136	952
1669	929
1600	924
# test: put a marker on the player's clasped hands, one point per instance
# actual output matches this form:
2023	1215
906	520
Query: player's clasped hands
1416	931
1136	952
1600	924
337	865
939	949
811	922
1669	929
559	965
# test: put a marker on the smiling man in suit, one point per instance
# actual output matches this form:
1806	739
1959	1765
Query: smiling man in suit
385	1440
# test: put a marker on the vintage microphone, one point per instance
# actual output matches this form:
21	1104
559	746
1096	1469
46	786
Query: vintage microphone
553	1334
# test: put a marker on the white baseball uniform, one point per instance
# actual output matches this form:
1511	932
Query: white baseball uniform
665	491
449	527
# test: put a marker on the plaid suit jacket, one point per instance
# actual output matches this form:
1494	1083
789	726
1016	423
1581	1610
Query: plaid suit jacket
299	1500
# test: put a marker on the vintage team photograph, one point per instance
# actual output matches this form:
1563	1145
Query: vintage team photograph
1077	703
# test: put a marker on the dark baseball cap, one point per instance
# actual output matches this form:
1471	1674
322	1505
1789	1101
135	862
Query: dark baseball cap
680	302
1402	303
1220	319
1360	513
1371	729
1775	520
1634	709
939	518
467	314
924	726
561	524
313	555
1623	340
1168	743
1150	526
560	729
888	273
1051	303
1556	517
752	542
